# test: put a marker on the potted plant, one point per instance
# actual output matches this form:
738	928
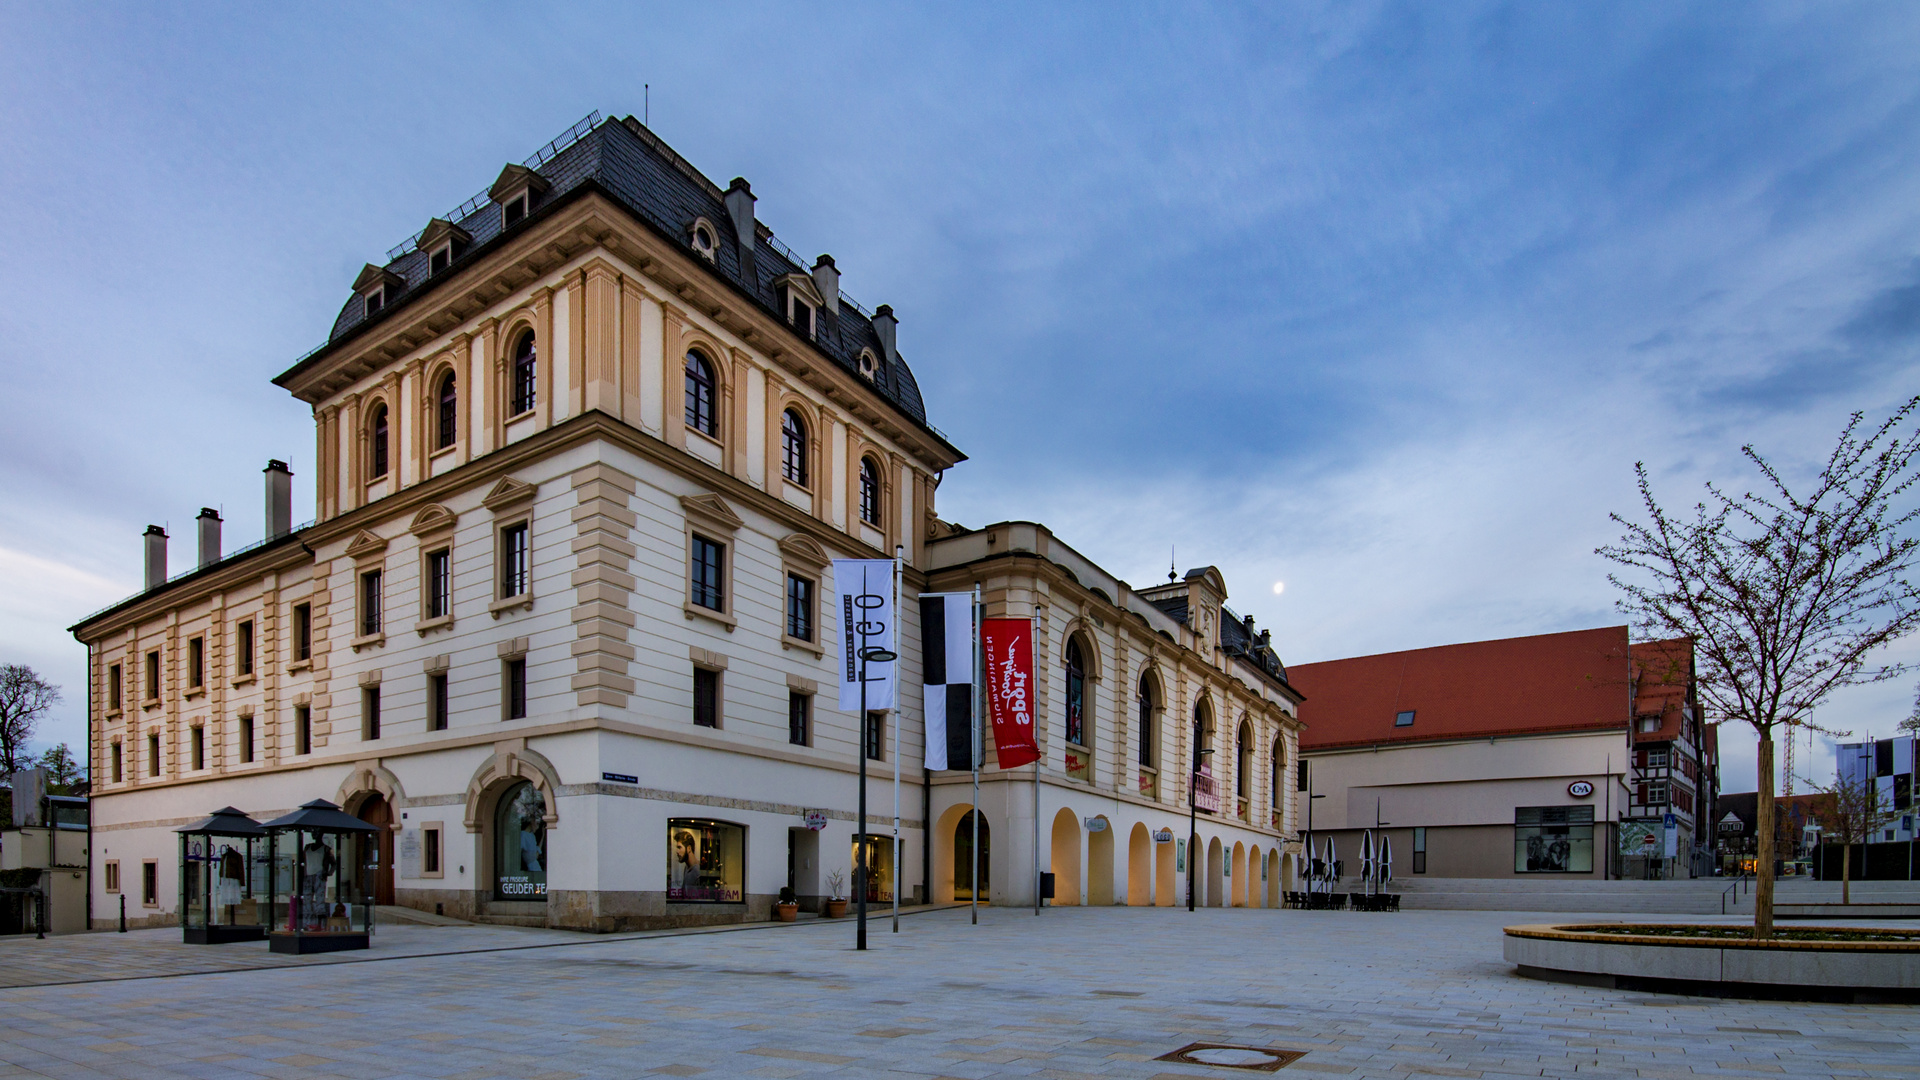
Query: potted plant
836	903
788	909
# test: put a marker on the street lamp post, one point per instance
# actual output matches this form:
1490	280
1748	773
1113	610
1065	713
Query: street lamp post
860	845
1193	819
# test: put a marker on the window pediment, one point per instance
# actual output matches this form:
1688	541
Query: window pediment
805	550
432	519
377	277
515	179
508	492
365	545
711	510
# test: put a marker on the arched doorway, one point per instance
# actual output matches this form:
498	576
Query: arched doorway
1237	870
1216	874
1165	873
963	887
520	844
1066	859
1273	879
376	811
1139	867
1100	865
1256	877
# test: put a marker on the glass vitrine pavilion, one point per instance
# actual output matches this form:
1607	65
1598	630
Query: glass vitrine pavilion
320	890
222	879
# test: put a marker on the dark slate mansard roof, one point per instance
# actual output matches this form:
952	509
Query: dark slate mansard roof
631	165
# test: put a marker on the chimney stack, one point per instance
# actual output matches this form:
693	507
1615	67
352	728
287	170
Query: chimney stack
884	325
156	557
826	278
739	200
279	499
209	536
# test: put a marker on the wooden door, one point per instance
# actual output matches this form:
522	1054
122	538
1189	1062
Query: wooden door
376	811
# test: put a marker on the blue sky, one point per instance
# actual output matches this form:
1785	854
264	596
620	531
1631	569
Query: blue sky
1381	301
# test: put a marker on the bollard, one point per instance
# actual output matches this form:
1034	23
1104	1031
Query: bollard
123	913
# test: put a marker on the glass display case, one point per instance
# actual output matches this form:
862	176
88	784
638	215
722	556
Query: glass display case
222	879
323	862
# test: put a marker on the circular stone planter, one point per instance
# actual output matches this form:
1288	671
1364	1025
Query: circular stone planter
1662	957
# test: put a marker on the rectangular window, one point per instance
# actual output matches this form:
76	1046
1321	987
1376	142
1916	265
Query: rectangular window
514	688
113	687
512	212
439	584
1419	850
243	648
196	663
803	318
706	697
437	701
153	675
370	603
430	850
442	259
302	729
1300	776
707	557
150	883
1553	840
706	861
1656	759
799	718
246	740
199	741
112	875
513	560
153	753
876	739
1403	719
118	764
1657	793
799	607
302	632
370	713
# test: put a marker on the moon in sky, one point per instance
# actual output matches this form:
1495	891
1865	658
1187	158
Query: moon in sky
1279	587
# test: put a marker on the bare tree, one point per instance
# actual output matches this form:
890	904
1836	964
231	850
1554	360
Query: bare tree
24	698
1787	597
1850	811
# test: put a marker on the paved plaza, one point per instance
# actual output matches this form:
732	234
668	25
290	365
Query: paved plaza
1076	992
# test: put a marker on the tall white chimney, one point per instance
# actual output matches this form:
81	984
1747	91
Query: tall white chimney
279	498
209	522
156	556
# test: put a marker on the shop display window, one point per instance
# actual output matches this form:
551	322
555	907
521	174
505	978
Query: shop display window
879	867
320	891
1553	840
223	886
706	861
520	844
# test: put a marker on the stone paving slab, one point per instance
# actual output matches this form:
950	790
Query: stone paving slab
1075	992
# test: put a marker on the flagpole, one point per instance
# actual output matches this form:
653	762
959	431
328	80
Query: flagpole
899	643
979	695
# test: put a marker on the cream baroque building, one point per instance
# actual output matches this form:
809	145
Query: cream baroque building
564	624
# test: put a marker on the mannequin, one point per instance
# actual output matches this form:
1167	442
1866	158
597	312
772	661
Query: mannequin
317	863
230	870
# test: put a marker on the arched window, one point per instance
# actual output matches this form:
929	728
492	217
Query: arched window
1202	734
448	413
793	447
869	491
1076	693
524	362
520	844
1243	762
700	414
377	431
1279	770
1146	704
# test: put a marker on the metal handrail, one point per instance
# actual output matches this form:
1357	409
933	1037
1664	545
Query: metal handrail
1744	879
540	157
234	554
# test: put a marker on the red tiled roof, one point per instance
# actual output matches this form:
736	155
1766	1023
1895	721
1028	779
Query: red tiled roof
1574	681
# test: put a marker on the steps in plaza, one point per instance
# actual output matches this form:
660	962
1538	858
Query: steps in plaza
1700	896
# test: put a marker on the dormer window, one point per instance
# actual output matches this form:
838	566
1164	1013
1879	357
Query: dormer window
515	191
704	240
441	259
378	287
868	364
802	317
445	242
376	300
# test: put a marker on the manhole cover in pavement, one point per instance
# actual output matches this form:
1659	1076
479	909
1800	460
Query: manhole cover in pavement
1220	1055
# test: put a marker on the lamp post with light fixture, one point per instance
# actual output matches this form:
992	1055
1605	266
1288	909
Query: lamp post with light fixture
1193	818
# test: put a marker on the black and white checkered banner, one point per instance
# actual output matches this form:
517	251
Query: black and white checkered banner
946	640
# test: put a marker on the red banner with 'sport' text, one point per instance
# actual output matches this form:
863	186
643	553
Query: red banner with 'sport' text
1008	645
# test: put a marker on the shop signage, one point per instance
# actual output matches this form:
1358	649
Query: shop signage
1579	789
865	587
1008	648
619	778
816	820
1164	836
1096	824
